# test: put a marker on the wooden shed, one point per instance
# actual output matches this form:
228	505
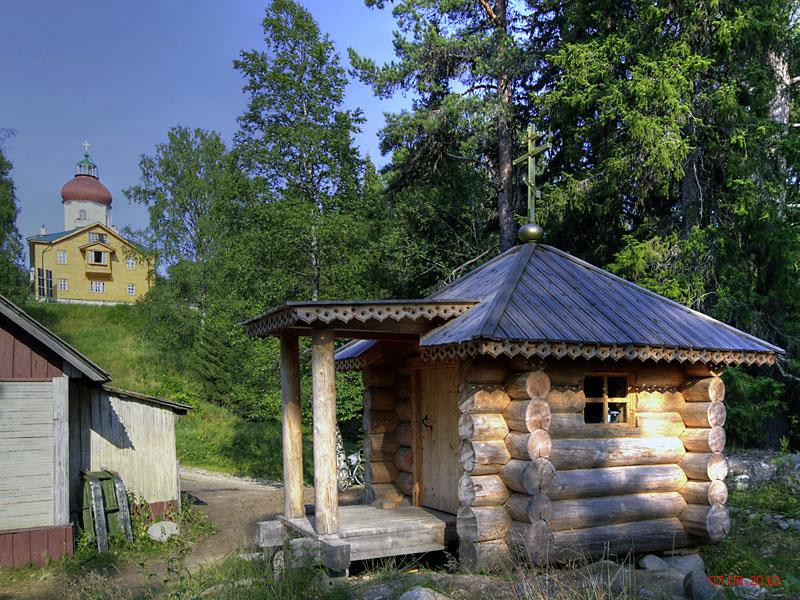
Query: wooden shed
538	405
58	417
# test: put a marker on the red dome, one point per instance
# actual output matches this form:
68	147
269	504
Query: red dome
86	187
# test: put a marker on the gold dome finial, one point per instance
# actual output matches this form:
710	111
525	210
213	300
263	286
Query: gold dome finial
530	232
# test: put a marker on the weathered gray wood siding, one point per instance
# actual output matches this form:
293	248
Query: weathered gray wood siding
131	437
27	472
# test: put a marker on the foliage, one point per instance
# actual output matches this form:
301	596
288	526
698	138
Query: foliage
464	65
755	549
12	284
112	337
751	401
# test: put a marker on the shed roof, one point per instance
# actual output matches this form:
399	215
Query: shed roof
175	407
39	332
536	300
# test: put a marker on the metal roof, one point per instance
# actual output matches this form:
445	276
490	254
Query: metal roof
534	293
39	332
549	295
52	237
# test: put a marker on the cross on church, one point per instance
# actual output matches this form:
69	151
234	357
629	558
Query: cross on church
530	181
86	146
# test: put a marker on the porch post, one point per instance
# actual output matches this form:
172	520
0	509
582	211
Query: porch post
292	435
326	495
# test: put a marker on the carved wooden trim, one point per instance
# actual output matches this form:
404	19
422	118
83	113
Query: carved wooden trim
614	352
288	316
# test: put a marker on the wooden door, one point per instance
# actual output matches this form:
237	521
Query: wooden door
439	441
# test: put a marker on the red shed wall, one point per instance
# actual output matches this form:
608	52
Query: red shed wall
23	358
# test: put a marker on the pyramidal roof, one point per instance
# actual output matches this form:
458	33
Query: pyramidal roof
536	300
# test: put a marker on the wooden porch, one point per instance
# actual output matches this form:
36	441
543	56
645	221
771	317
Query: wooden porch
374	533
336	535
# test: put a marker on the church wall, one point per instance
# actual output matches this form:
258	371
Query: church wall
79	274
94	213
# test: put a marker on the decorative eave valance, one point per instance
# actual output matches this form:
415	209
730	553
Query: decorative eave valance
604	352
365	317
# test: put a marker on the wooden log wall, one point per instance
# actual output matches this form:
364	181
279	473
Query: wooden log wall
482	520
387	436
616	487
530	472
704	463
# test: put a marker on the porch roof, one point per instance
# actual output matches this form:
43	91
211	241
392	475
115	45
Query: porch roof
359	319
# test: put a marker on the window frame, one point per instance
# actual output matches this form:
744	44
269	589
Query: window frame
100	284
66	285
62	254
131	289
629	399
131	263
102	254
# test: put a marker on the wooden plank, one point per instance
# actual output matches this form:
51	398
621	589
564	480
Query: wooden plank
292	427
323	375
22	360
61	450
6	552
56	542
6	354
21	548
38	547
440	454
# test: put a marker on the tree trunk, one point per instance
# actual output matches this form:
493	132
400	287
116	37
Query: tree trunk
505	142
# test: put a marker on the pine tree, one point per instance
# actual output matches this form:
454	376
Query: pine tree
462	60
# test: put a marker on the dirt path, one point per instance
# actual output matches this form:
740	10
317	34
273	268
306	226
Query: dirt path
234	505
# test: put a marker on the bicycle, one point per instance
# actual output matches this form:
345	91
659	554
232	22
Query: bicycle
350	468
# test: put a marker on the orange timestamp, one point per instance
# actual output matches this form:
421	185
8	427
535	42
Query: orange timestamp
739	580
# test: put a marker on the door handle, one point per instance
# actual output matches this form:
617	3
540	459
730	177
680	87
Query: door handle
425	422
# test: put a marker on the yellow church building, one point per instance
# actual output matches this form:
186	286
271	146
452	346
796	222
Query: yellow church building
89	262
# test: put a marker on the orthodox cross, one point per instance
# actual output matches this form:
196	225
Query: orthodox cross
86	145
530	180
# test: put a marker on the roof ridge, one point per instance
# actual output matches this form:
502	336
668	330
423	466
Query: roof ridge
474	271
502	298
653	294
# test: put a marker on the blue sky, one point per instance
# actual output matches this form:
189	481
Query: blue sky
120	74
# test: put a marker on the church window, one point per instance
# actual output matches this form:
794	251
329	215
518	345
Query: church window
82	215
62	285
62	257
98	287
131	289
131	263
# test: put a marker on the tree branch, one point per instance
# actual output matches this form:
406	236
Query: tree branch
489	11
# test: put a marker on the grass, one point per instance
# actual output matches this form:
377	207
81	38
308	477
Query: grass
755	549
109	336
209	437
213	438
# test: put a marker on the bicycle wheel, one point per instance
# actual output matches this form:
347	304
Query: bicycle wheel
358	474
343	480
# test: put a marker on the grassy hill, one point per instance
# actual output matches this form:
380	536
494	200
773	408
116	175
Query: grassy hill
210	436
